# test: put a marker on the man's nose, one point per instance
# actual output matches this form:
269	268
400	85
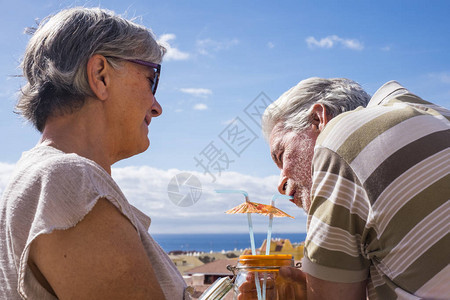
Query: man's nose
282	185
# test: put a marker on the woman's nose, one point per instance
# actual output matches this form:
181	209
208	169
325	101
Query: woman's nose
282	185
156	108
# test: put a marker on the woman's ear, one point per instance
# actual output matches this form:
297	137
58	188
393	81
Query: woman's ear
97	73
319	116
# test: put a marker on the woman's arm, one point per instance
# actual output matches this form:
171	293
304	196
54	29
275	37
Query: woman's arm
101	257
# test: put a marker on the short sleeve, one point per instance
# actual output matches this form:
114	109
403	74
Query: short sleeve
336	221
68	190
56	194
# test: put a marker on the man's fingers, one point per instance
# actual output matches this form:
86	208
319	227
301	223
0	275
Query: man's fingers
247	296
291	273
291	286
247	291
249	285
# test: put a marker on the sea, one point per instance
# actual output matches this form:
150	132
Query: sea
218	242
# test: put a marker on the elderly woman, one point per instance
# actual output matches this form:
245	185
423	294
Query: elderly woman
66	229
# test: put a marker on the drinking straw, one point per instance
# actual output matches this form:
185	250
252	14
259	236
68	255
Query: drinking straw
269	236
249	217
268	241
252	242
250	231
269	230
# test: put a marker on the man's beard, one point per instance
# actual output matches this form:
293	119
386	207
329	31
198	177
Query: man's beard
302	177
302	197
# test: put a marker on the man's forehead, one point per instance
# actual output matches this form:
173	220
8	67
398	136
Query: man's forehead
280	137
276	137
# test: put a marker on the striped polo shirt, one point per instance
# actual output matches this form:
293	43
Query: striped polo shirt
380	198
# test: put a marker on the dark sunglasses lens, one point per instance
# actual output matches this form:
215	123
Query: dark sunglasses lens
155	82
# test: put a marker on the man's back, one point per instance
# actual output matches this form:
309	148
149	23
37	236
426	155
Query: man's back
380	199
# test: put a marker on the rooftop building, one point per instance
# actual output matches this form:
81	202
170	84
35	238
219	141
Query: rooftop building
185	262
280	246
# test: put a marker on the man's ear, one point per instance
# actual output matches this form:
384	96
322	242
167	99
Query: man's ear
319	116
97	73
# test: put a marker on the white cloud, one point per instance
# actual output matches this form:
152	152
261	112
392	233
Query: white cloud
270	45
200	106
228	122
443	77
199	92
147	188
206	46
172	52
386	48
333	40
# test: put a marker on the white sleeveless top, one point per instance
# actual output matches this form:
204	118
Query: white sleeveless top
51	190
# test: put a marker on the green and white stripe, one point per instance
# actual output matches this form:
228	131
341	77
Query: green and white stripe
380	199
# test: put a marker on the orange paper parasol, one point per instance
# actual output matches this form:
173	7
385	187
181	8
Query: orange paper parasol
258	208
276	212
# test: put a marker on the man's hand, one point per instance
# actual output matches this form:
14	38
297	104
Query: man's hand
292	283
248	291
289	283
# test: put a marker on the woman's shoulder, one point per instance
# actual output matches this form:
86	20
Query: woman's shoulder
47	168
60	184
50	159
48	163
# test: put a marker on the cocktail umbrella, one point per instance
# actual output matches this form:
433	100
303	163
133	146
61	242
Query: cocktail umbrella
249	207
259	208
272	211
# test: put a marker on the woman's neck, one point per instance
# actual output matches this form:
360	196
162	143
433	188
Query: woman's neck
84	133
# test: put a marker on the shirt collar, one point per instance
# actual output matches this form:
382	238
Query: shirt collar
386	92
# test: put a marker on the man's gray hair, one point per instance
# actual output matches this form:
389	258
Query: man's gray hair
56	57
293	108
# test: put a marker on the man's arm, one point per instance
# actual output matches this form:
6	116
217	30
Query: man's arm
101	257
323	289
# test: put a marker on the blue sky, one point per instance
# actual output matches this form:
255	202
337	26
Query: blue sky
225	58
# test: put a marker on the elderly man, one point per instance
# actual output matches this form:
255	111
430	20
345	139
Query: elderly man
375	184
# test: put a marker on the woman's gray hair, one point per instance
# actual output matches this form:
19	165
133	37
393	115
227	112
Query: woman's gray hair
56	57
293	108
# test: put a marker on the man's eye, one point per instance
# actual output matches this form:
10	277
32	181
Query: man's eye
152	82
280	158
